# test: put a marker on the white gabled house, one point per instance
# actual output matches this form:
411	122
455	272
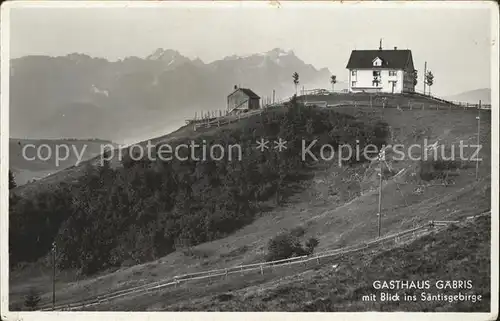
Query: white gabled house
387	71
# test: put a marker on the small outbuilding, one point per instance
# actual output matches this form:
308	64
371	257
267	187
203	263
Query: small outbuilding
242	100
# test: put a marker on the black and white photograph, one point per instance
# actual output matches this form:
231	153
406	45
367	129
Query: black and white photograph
326	159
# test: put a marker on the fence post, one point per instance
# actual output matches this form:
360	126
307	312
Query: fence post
226	274
261	270
317	259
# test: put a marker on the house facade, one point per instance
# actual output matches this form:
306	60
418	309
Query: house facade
386	71
242	99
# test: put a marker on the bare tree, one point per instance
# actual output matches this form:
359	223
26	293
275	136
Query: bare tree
296	82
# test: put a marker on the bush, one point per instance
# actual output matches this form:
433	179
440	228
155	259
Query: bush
32	299
437	169
286	245
447	165
311	244
283	246
298	231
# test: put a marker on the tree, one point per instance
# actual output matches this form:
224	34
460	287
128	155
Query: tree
12	181
311	244
295	77
415	77
333	81
429	80
32	299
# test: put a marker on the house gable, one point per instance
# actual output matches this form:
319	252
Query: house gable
377	62
409	64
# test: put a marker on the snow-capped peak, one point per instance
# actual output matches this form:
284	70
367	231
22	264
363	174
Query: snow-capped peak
278	52
162	54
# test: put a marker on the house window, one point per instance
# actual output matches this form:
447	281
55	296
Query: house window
353	84
375	83
353	72
376	73
392	72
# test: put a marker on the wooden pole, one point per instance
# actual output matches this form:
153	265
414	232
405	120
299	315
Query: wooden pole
53	276
478	138
380	200
425	72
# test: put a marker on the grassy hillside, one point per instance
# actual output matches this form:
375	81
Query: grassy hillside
330	203
461	252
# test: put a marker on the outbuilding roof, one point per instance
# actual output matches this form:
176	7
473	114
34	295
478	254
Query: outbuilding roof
247	92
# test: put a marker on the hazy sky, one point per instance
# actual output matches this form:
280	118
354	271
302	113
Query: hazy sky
455	42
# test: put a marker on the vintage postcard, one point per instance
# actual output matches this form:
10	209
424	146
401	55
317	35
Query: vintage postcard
315	160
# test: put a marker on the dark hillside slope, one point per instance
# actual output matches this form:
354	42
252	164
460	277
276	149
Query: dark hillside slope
145	209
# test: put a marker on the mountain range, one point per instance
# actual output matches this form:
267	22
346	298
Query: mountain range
79	96
473	96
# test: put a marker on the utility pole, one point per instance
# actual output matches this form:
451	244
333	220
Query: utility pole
380	197
478	140
274	95
53	275
425	73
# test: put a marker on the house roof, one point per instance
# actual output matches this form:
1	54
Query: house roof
247	92
397	59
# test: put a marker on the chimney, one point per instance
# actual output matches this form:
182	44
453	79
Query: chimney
380	47
235	87
395	48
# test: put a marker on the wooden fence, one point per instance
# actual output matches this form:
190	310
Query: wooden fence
256	267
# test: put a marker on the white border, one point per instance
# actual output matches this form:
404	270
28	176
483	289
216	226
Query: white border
4	156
